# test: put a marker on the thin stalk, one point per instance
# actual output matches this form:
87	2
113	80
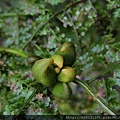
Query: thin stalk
38	87
54	15
96	98
17	32
13	51
12	15
79	42
74	27
104	72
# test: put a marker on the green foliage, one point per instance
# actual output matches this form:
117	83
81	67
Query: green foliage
93	26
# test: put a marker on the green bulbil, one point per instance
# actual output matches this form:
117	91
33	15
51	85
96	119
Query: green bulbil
67	74
58	60
67	51
62	90
44	72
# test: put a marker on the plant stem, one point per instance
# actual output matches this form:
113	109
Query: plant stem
79	42
74	27
96	98
54	15
12	15
104	72
17	31
38	87
13	51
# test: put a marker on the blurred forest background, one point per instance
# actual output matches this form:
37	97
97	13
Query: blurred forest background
92	25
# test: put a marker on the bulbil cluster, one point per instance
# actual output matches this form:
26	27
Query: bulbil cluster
56	72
